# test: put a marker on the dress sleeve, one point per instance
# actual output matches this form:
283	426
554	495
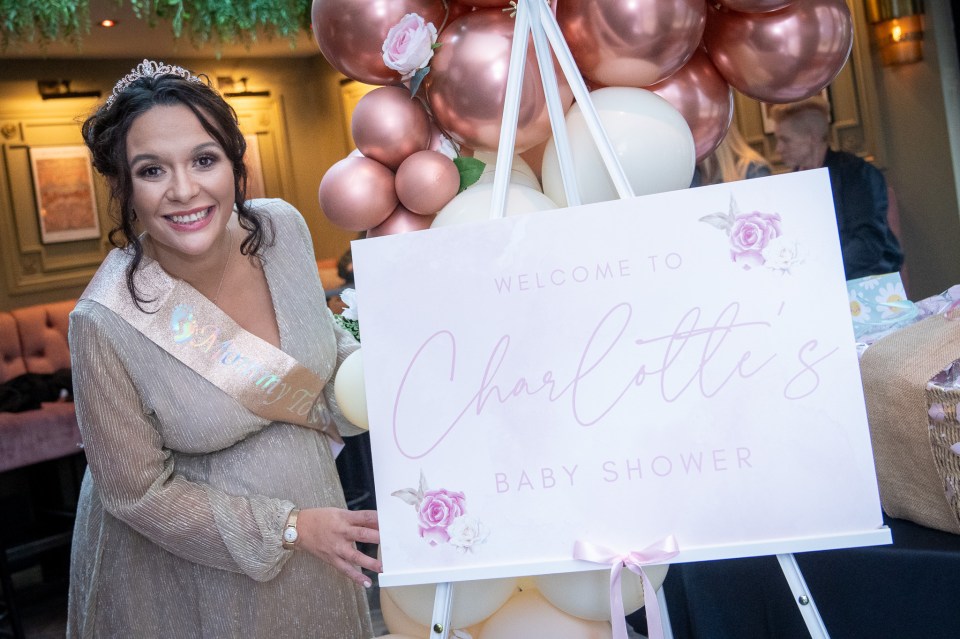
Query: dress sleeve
135	474
346	344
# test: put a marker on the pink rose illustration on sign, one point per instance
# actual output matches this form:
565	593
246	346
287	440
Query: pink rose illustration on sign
756	239
442	516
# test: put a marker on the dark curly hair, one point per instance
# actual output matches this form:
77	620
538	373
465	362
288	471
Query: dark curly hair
105	134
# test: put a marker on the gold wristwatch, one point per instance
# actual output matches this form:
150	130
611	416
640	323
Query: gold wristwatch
290	534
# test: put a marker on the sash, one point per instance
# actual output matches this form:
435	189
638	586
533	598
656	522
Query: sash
261	377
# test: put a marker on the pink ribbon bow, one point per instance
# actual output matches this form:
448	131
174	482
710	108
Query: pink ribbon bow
657	553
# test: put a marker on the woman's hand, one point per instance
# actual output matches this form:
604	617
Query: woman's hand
330	534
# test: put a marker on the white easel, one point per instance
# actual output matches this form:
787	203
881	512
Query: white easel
535	16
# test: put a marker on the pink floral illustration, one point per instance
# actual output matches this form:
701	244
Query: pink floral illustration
755	239
442	516
438	509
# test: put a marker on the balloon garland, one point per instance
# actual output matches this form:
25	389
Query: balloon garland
663	72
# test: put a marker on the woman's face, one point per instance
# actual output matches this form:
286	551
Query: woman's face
183	185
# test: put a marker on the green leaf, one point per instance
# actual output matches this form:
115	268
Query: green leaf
470	171
417	79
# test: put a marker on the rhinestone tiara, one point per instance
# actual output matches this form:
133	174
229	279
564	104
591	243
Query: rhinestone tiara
148	69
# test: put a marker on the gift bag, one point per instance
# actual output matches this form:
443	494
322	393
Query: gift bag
911	394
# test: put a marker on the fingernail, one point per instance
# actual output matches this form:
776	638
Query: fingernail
367	584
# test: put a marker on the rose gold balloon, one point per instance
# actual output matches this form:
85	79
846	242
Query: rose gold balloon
467	83
388	125
755	6
357	193
401	221
781	56
703	97
351	33
631	43
426	181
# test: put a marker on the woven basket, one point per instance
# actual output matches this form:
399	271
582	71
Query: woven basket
913	424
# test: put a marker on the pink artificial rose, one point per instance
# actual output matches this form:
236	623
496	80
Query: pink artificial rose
409	45
437	511
750	234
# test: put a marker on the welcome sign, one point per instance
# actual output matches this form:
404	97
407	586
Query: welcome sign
679	364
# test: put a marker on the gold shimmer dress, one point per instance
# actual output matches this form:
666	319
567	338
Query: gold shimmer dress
181	510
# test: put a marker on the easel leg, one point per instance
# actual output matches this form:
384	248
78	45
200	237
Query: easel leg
664	613
802	596
442	602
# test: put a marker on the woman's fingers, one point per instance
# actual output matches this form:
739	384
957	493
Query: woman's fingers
331	535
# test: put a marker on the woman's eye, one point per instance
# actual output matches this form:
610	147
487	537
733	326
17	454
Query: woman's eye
149	171
206	160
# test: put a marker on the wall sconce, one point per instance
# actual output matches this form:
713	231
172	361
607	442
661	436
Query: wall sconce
224	82
52	89
898	30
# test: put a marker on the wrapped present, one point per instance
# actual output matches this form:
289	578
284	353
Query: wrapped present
879	306
912	393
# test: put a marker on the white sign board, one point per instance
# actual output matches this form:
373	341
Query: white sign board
677	364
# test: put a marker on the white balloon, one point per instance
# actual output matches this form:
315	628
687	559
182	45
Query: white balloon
528	614
396	620
473	601
349	391
520	172
650	138
473	205
587	594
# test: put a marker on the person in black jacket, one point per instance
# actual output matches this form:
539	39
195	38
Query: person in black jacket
868	245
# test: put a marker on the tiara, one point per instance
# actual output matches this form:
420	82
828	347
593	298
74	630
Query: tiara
148	69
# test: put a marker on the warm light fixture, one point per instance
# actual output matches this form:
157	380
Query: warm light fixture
107	23
898	29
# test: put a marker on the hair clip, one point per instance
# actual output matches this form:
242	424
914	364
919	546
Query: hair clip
148	69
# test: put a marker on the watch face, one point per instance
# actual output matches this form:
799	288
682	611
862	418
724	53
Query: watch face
290	534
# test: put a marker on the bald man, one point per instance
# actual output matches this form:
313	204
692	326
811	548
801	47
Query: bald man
859	190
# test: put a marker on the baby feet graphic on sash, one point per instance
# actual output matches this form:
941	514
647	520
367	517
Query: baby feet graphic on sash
182	323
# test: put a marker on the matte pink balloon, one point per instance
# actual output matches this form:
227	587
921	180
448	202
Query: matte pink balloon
755	6
631	43
703	97
351	33
357	193
388	125
426	181
467	83
401	221
781	56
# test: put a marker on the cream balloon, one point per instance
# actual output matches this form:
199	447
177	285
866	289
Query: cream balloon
473	205
650	137
396	620
349	391
473	601
399	623
587	594
529	614
520	172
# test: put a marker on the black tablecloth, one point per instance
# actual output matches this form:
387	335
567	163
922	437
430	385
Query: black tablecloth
905	590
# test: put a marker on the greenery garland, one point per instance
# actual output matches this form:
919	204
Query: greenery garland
203	21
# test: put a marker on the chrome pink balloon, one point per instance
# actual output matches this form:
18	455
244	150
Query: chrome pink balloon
755	6
426	181
781	56
703	97
631	43
357	193
388	126
401	221
351	33
467	83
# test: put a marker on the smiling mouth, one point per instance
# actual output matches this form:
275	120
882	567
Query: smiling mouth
190	218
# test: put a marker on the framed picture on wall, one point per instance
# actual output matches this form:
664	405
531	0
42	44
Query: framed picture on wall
63	187
768	121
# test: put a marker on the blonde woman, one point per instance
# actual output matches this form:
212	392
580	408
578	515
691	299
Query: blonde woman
734	159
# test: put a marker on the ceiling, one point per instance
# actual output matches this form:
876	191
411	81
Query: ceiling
134	38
